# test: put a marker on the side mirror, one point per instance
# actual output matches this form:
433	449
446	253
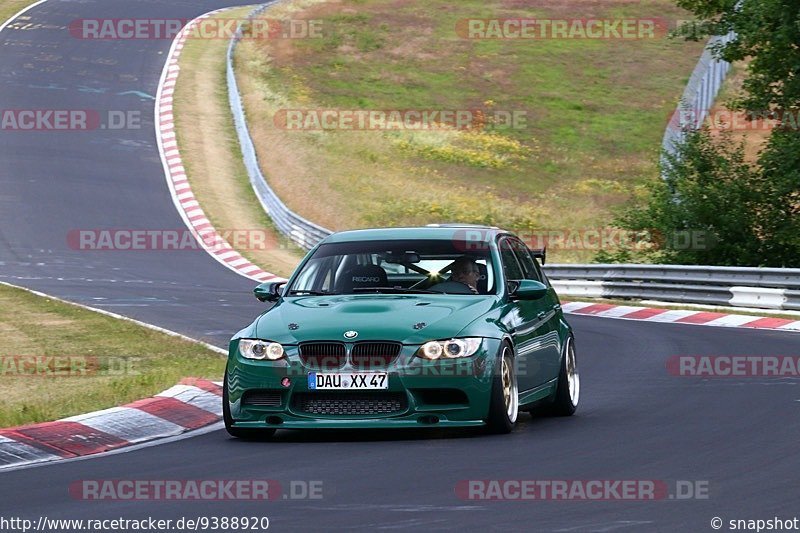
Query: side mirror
529	289
269	291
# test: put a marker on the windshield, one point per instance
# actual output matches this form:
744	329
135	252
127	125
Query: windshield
407	266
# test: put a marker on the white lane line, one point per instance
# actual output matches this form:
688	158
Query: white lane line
21	12
121	317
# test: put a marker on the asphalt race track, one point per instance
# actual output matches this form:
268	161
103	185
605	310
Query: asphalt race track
635	422
55	182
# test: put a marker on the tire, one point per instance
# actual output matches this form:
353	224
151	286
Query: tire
504	402
567	395
240	433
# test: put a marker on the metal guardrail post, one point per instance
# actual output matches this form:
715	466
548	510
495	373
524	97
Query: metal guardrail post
302	232
774	288
768	288
698	96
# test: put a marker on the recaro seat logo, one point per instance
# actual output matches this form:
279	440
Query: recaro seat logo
69	119
366	279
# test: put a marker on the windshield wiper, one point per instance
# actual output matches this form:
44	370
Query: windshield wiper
312	293
393	289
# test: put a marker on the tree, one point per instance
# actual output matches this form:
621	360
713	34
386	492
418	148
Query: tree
779	209
768	33
751	212
700	213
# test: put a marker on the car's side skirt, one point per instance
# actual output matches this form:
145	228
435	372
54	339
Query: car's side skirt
539	393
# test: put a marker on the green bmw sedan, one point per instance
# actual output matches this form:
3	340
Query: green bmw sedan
437	326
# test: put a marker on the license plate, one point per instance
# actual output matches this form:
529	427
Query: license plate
348	381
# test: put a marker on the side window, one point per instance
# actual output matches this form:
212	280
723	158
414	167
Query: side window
542	275
525	260
511	266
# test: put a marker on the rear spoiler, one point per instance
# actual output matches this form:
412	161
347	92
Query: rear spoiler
540	253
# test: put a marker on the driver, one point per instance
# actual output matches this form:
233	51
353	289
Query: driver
464	277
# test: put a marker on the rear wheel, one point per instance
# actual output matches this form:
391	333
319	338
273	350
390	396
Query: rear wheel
569	384
240	433
504	404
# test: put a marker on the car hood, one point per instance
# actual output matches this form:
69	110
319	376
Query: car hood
411	319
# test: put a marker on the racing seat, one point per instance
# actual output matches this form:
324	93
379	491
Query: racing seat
361	276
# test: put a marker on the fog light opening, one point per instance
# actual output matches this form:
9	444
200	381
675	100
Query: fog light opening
428	419
274	420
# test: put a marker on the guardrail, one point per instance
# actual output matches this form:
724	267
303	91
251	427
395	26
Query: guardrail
699	95
302	232
765	288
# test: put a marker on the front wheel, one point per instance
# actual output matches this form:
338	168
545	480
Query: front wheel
240	433
568	391
504	404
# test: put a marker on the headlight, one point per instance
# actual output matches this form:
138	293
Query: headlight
450	349
258	349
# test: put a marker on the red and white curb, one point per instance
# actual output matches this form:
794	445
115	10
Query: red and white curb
192	404
704	318
180	190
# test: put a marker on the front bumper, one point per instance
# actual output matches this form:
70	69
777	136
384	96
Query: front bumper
448	393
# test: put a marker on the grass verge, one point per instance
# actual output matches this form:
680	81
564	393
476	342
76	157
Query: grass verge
213	160
8	8
595	112
59	360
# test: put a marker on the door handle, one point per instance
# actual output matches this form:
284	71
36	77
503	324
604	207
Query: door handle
541	315
557	307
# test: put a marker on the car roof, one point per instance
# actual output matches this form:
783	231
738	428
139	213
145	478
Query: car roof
470	232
